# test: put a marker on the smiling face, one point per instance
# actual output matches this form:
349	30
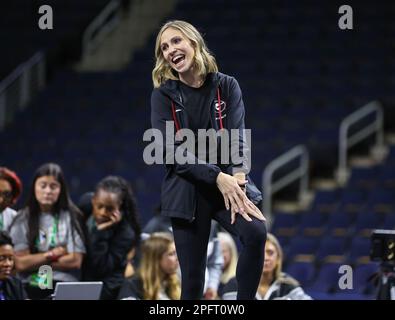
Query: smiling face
6	261
47	190
177	50
104	205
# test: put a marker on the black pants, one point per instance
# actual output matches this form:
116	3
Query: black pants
191	240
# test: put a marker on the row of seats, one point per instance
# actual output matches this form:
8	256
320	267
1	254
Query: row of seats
336	231
324	284
21	36
300	76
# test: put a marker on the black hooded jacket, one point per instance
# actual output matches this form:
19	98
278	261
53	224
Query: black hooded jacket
107	251
13	289
178	196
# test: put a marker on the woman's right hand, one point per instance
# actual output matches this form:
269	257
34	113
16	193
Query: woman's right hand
55	253
114	218
235	198
59	251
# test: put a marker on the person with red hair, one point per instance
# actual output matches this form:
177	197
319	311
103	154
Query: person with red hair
10	190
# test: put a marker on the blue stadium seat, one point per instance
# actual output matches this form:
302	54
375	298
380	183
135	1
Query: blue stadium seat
332	246
301	271
359	249
326	280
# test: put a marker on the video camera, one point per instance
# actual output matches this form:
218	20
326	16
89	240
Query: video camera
383	250
383	245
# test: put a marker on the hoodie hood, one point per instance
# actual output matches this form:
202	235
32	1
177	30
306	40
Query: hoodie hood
171	87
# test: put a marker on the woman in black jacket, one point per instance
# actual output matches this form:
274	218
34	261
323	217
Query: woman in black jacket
112	230
11	288
190	93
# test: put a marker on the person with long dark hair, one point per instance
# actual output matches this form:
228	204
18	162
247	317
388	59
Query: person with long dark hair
47	232
113	228
190	93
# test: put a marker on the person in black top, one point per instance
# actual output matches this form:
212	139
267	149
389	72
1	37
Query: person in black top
190	93
11	288
112	230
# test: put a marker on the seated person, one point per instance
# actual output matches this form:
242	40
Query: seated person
274	284
215	259
47	232
112	228
11	288
156	278
230	256
10	189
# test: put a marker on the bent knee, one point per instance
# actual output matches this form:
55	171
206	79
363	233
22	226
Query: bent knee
257	233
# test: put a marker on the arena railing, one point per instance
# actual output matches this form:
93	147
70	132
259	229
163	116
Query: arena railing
271	185
346	141
102	25
20	86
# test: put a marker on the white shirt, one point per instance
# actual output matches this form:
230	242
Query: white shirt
8	215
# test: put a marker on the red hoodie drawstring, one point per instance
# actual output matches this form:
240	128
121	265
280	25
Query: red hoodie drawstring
177	124
173	109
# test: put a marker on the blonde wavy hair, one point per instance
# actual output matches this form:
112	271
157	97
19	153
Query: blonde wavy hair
229	271
204	62
150	272
278	273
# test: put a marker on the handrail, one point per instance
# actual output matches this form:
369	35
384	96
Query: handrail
270	187
346	142
101	26
17	89
18	71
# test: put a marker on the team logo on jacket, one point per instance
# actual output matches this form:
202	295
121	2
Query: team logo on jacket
218	108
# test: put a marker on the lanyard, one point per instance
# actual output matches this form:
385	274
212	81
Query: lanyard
54	232
1	222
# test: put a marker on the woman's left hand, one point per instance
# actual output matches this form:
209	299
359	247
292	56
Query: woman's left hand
249	207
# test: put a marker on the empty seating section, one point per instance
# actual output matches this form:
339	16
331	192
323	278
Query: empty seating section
21	36
336	231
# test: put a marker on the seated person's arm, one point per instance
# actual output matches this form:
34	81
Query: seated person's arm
25	261
68	261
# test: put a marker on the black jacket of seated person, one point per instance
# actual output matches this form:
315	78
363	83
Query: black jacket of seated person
106	252
12	289
132	289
